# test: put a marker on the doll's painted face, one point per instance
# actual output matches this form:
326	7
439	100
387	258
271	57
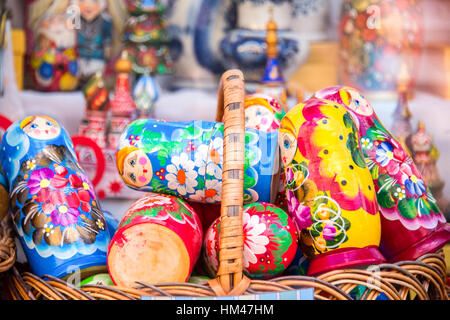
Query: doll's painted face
359	104
288	147
259	118
42	128
137	169
91	9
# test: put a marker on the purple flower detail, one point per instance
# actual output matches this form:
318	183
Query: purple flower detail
415	185
64	215
329	232
300	214
39	179
384	153
87	185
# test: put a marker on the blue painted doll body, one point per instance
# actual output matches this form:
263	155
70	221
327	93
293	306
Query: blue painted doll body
186	159
53	205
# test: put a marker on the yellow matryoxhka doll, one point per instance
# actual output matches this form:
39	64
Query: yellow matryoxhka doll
329	189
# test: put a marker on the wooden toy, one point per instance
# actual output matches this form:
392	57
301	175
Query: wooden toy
158	240
270	241
329	188
186	159
53	204
412	224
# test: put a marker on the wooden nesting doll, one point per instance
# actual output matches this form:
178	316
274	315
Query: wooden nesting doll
185	159
330	193
264	113
53	204
412	224
158	240
270	242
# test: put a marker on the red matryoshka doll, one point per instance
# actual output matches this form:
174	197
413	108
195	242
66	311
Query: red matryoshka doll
270	241
412	224
158	240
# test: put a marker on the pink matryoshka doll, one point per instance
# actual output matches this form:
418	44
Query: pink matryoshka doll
412	224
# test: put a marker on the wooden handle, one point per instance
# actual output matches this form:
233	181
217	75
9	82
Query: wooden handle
230	107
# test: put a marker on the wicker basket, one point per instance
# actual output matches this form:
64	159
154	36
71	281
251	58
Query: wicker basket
422	279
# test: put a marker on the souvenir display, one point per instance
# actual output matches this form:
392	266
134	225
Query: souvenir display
55	210
411	222
270	241
158	240
186	159
329	189
94	37
54	60
425	156
147	40
376	37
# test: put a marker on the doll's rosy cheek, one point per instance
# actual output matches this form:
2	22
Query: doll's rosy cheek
53	130
142	161
37	132
142	179
264	120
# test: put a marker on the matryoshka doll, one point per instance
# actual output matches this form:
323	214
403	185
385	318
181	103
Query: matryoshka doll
264	113
185	159
54	57
53	204
270	241
158	240
412	224
329	189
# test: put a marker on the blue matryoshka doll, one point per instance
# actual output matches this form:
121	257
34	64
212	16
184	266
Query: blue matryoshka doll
55	210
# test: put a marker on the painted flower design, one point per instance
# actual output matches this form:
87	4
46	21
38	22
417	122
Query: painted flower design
39	180
211	194
133	139
300	214
399	193
66	213
329	231
255	241
30	164
385	156
366	143
181	174
209	160
413	184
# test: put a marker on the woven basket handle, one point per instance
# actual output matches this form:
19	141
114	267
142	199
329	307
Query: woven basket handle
230	279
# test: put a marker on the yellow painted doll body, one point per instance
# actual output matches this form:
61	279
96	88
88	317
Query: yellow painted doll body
329	188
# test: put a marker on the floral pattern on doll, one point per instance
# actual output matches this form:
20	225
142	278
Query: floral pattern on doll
392	169
189	164
54	204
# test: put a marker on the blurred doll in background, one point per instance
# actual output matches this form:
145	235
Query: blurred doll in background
54	57
94	37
